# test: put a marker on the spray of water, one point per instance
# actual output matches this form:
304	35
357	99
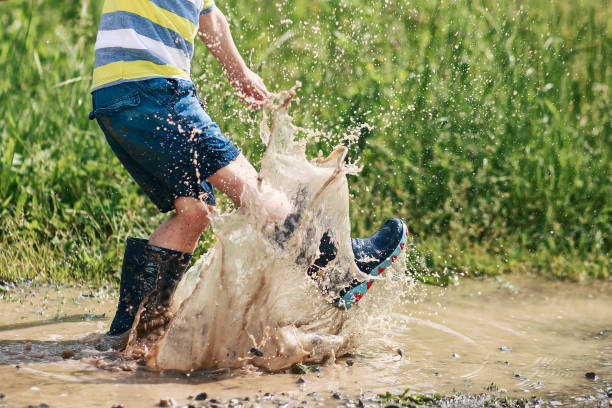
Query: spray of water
249	300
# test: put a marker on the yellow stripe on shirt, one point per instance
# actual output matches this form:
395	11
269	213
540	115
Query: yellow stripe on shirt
133	70
157	15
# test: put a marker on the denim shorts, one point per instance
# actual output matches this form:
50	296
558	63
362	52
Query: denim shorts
163	137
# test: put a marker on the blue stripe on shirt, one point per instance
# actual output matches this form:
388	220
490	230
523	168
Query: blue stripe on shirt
113	54
123	20
185	9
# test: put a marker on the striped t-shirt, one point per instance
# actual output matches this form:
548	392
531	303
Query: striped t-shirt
140	39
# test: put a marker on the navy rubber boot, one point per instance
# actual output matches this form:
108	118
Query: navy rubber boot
372	256
328	250
136	282
169	266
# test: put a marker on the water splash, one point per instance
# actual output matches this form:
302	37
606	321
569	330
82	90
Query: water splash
249	300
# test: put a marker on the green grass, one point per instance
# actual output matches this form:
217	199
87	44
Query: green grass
490	129
406	399
415	400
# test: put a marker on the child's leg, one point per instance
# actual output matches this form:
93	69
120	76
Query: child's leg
238	180
182	231
177	237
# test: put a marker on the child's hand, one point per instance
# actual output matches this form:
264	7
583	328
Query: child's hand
250	87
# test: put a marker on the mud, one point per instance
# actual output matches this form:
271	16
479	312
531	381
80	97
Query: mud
515	338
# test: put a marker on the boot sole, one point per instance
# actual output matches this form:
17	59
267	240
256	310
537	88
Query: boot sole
354	295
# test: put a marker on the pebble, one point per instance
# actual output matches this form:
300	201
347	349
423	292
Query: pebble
201	396
591	376
400	351
117	406
68	353
455	355
302	380
337	395
2	396
505	349
28	346
556	403
256	352
350	363
166	403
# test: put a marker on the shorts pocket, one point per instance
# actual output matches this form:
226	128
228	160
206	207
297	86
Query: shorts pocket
124	102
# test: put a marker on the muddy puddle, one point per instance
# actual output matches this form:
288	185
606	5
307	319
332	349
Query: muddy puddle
520	337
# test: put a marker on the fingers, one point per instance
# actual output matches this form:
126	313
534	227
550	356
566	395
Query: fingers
251	89
261	87
256	93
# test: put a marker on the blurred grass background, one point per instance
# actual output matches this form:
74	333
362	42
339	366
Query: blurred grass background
489	129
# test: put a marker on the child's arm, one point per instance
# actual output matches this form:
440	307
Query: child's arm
215	32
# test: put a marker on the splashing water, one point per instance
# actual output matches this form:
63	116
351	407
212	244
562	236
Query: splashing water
249	300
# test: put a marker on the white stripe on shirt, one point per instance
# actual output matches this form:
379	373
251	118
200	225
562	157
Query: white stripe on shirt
128	38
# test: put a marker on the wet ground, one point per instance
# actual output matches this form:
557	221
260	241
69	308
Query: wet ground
510	337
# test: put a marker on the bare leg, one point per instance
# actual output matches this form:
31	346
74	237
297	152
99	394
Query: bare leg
238	180
182	231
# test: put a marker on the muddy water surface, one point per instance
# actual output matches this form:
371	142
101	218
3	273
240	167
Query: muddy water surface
518	336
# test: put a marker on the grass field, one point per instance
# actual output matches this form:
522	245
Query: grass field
489	129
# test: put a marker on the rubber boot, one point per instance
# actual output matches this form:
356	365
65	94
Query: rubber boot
328	250
169	266
136	281
372	256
